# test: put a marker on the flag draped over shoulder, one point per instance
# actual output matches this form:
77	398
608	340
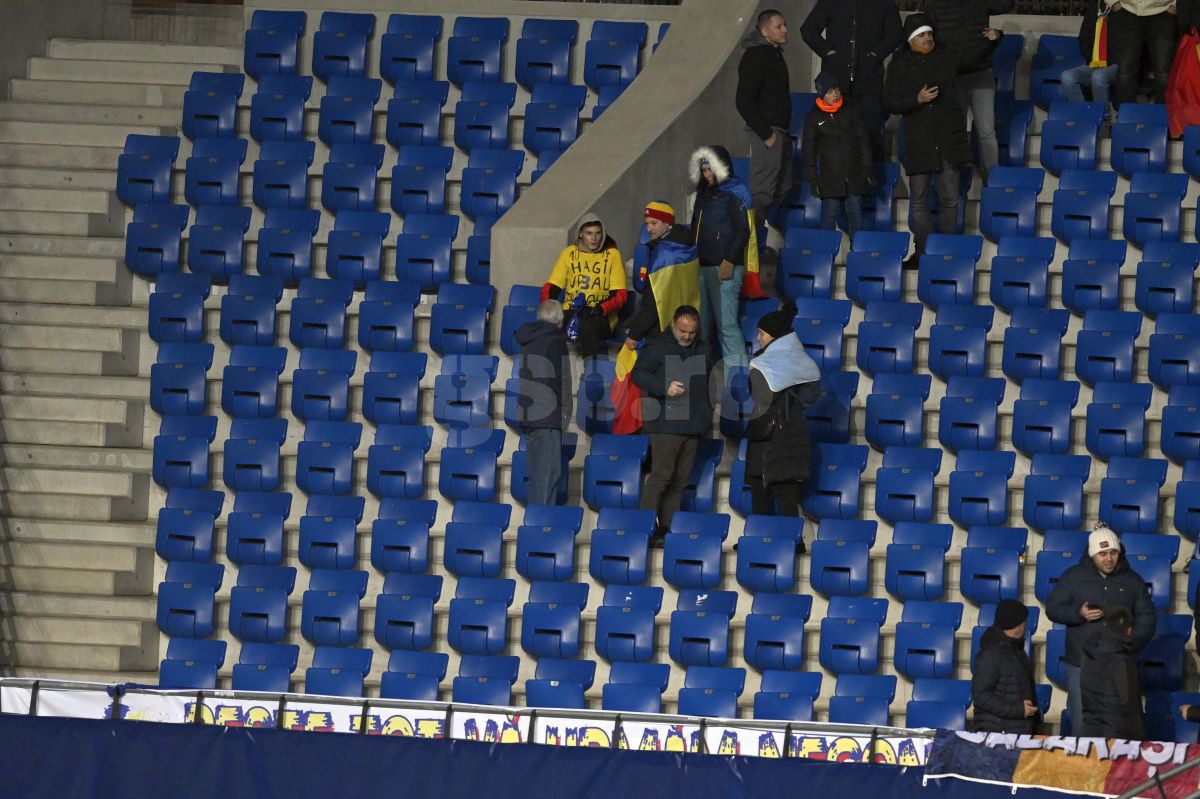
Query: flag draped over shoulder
751	285
673	274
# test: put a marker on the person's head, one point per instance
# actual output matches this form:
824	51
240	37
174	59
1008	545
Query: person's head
828	87
659	217
591	237
685	324
1119	621
1012	617
550	312
709	166
773	27
918	31
1104	549
776	324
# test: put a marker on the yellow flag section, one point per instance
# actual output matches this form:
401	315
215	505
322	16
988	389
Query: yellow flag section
673	275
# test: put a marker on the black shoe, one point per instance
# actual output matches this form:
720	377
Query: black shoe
658	537
912	261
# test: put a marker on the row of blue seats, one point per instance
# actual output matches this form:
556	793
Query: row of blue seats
475	50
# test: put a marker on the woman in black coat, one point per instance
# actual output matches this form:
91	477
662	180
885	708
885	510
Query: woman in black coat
784	381
1002	687
920	86
1108	681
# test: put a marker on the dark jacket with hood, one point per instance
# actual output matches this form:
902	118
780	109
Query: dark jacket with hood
1082	583
662	361
1001	682
837	153
933	130
778	448
545	377
763	92
958	26
644	322
719	220
853	38
1108	680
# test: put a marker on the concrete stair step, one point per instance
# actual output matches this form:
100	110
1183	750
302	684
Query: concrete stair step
100	583
65	292
92	632
68	434
89	658
112	248
70	409
91	114
87	201
35	177
58	156
96	93
76	268
152	52
109	458
73	482
61	223
75	556
21	603
99	318
125	71
46	531
63	133
83	363
85	675
126	388
57	337
72	506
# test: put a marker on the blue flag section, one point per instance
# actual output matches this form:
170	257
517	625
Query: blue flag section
60	758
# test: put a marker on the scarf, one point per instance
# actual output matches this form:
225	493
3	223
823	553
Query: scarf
829	108
784	364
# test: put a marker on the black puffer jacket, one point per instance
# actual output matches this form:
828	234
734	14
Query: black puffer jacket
1108	679
779	448
1082	583
763	91
1002	681
837	153
662	361
853	38
958	25
545	377
935	129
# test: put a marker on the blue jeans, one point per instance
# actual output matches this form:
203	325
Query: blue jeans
544	448
832	206
1100	80
1074	698
719	300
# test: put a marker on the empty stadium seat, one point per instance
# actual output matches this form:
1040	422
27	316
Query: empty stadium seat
258	603
1081	204
787	695
254	530
1033	343
348	181
711	691
1165	277
979	487
969	412
837	479
485	679
385	323
337	671
423	249
925	639
210	104
1069	136
1091	275
481	115
458	321
191	664
938	704
1116	419
862	699
178	379
991	564
181	451
277	107
1139	139
958	340
252	454
700	627
543	53
400	535
339	47
406	49
625	623
396	461
635	687
415	121
692	553
186	597
1020	272
850	635
1008	204
560	683
1129	494
887	337
265	667
404	611
766	552
414	675
325	458
775	631
840	564
916	560
619	546
612	471
331	606
285	244
1042	416
153	239
550	620
419	180
489	182
613	54
473	52
1153	207
1104	348
552	117
1175	350
904	486
144	169
479	616
806	262
1054	491
896	410
184	528
211	172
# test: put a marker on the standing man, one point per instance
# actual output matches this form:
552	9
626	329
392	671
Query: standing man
672	374
962	27
1100	583
544	402
853	38
1002	685
1134	27
764	101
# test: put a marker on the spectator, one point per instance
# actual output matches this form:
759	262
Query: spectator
784	381
1112	696
852	38
1136	27
765	103
837	156
544	404
1002	686
920	85
1187	16
962	27
1098	75
591	275
672	374
1100	583
721	225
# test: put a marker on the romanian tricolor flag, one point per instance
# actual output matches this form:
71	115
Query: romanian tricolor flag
751	285
673	274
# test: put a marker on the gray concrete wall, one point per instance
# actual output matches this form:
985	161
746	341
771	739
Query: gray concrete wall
26	26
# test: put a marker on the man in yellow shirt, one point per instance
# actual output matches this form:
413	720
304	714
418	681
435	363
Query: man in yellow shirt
589	280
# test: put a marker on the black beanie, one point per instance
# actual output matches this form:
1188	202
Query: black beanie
778	324
1010	613
825	81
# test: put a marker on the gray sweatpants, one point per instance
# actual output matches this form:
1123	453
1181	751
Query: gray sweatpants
770	171
977	93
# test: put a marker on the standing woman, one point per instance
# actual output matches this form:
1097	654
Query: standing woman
784	381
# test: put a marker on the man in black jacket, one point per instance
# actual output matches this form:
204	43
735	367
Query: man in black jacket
672	373
1100	583
544	402
764	101
963	27
1002	687
853	38
921	86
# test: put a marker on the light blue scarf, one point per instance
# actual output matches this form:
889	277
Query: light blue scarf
784	364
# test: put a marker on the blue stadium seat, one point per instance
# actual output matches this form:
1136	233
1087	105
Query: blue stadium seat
806	262
1069	136
1175	350
873	275
185	599
1180	432
606	96
144	169
191	664
800	208
1187	512
837	471
520	310
613	54
925	639
458	321
1033	343
1054	491
210	104
560	683
337	671
946	279
1165	277
1139	139
474	548
958	341
355	250
462	400
211	172
404	611
281	181
991	564
184	529
552	117
1004	63
265	667
318	313
474	52
153	239
1153	207
419	180
277	107
285	245
787	695
840	564
850	635
700	627
550	620
916	560
887	337
1151	556
1161	662
479	616
489	182
612	471
330	607
481	115
216	239
619	546
699	493
181	451
625	623
485	679
396	461
1054	55
546	542
1116	419
1061	550
321	385
414	675
479	251
979	487
766	553
544	51
385	320
328	532
775	631
1081	204
1020	272
178	380
635	687
860	699
711	691
1091	275
413	121
340	46
258	603
938	704
250	382
692	554
400	535
406	50
828	419
348	180
593	402
468	468
1104	348
1129	494
1008	204
423	249
969	412
325	458
252	454
254	530
904	486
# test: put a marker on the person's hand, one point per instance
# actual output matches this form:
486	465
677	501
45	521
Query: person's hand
675	389
725	270
631	344
1115	7
831	53
1183	711
1171	8
590	312
1090	614
1030	708
927	94
770	140
991	34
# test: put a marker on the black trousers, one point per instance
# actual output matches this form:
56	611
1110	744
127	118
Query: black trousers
671	458
594	334
1129	36
787	494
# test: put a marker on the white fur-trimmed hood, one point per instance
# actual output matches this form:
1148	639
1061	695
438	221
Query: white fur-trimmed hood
718	161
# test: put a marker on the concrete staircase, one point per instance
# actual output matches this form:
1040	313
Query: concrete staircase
77	565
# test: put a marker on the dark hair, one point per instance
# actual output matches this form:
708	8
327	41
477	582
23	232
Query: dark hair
686	310
766	15
1120	621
